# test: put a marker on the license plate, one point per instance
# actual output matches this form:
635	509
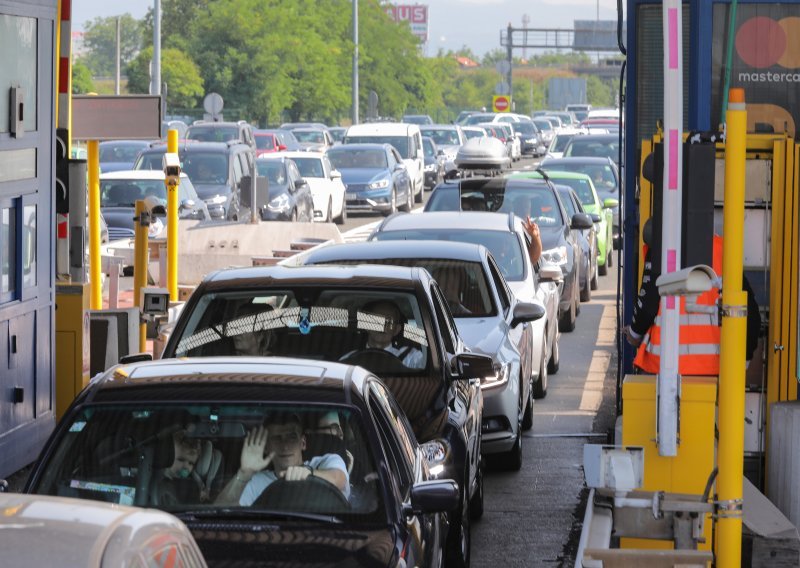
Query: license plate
350	196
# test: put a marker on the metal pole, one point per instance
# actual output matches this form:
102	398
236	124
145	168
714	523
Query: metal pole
93	159
509	51
155	80
732	341
140	256
669	381
116	61
355	61
173	206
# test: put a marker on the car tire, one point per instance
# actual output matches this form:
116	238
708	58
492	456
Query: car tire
329	214
392	204
459	542
594	284
540	386
602	270
476	503
554	363
342	218
566	322
610	259
586	290
293	218
512	459
418	196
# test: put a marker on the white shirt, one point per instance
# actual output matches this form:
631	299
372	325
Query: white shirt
263	479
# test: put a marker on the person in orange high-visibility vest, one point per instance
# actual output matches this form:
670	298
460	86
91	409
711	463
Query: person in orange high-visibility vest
698	350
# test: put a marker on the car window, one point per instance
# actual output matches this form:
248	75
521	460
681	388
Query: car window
238	172
314	136
443	136
404	144
272	170
213	133
447	326
569	205
382	331
560	142
602	174
119	153
427	146
125	193
162	454
206	167
265	142
344	158
309	167
400	439
582	188
589	147
502	288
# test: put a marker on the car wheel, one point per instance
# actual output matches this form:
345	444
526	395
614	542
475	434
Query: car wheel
586	289
392	204
603	269
329	214
554	363
540	386
527	418
409	200
567	320
459	541
342	218
610	259
512	459
595	272
418	196
476	503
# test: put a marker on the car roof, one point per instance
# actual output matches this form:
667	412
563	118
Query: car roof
138	174
551	175
383	129
198	146
447	219
295	154
142	143
599	138
450	250
424	127
361	146
576	160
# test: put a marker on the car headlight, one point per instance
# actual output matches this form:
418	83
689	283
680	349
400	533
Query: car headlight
379	184
217	200
499	378
531	141
436	453
279	203
557	255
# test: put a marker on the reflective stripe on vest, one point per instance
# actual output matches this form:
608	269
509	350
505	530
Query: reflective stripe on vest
699	338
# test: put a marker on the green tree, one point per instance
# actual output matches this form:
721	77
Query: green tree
600	93
101	39
177	16
81	79
178	71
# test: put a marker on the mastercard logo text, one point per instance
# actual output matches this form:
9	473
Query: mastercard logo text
763	42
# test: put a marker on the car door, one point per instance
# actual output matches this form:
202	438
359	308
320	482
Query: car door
403	176
337	187
422	538
302	193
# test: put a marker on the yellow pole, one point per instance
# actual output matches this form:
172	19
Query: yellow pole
172	224
733	340
93	159
140	255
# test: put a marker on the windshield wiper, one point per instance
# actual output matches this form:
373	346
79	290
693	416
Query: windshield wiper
266	514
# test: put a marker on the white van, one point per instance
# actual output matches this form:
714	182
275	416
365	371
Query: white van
406	138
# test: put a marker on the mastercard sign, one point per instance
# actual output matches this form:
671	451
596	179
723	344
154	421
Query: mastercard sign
766	64
501	103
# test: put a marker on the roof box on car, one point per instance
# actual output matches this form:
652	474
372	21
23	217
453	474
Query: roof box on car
483	154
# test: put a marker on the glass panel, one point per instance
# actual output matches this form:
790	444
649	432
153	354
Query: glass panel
17	164
18	68
29	246
8	232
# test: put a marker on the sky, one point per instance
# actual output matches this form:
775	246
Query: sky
452	23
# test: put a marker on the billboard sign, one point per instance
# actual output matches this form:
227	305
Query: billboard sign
415	14
765	63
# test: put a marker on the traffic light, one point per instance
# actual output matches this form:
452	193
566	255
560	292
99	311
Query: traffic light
62	171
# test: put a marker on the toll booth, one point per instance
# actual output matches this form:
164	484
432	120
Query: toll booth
27	232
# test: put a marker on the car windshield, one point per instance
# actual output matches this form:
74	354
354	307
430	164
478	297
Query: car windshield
310	167
315	136
463	283
427	148
381	331
119	153
593	148
478	118
525	127
399	142
602	174
543	124
443	137
337	134
206	167
582	187
474	134
181	456
560	142
343	158
125	192
504	246
273	170
212	133
265	142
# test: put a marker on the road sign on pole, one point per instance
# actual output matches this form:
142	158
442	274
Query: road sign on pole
501	103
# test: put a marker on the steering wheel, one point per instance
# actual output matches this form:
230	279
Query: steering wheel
311	495
375	360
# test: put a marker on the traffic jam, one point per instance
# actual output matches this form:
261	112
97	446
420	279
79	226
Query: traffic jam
443	323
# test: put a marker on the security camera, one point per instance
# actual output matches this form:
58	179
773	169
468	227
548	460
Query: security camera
689	281
154	301
172	168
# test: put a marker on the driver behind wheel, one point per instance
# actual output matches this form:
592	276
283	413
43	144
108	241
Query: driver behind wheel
275	451
385	333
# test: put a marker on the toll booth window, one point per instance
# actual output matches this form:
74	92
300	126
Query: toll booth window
29	246
8	235
18	44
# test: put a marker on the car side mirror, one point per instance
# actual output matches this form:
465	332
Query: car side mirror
399	167
610	203
526	312
595	217
474	366
436	496
187	204
281	147
135	358
581	221
549	272
335	174
299	183
440	152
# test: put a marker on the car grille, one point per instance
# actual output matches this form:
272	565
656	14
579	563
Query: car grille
119	233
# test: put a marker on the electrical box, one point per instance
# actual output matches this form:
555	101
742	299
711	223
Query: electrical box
72	343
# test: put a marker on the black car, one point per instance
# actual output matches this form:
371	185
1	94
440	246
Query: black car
587	240
289	194
174	435
526	197
605	176
391	320
217	171
434	163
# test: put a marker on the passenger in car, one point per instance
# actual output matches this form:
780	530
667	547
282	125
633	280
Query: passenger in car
387	335
174	484
275	451
452	281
